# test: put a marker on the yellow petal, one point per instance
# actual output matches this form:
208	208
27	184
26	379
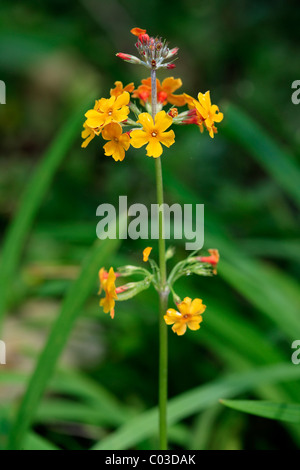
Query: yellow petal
124	140
122	100
147	122
162	121
94	119
121	114
197	307
146	253
138	138
87	140
111	130
168	320
179	328
154	148
167	138
184	307
193	325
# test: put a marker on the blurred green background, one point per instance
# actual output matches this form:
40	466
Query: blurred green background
58	56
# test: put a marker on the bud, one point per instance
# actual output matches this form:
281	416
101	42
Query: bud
172	52
173	112
129	58
144	38
171	66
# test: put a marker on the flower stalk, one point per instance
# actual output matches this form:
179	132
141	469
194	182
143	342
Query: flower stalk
163	291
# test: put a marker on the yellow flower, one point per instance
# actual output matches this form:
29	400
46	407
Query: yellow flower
107	283
153	133
88	134
118	142
189	315
118	90
146	253
108	110
208	112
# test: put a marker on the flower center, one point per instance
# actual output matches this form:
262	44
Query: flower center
116	139
154	134
186	316
109	112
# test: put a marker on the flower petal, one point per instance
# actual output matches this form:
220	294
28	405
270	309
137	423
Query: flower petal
111	130
122	100
162	121
170	84
179	328
193	325
147	122
154	148
197	307
138	138
167	138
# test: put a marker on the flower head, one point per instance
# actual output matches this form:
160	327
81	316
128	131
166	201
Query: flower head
118	142
207	113
88	134
153	133
119	89
189	315
107	283
212	259
108	110
146	253
165	91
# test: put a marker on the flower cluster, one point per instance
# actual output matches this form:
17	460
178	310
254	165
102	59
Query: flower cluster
120	121
188	313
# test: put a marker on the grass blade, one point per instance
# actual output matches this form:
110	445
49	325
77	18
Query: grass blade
265	409
71	309
30	202
278	163
194	401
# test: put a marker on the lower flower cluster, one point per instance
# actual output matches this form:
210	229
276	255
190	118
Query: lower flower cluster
188	312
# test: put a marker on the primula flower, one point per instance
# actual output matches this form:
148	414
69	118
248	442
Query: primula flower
119	89
165	91
88	134
108	110
118	142
153	133
107	283
189	315
146	253
213	259
207	113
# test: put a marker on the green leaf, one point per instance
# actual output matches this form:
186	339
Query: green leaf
277	162
193	401
30	203
266	409
35	442
72	307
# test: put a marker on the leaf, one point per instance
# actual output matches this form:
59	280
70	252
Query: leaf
240	128
72	306
266	409
193	401
30	203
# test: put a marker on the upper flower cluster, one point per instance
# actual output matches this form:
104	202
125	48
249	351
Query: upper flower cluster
120	121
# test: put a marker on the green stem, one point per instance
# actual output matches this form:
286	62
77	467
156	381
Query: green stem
163	293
